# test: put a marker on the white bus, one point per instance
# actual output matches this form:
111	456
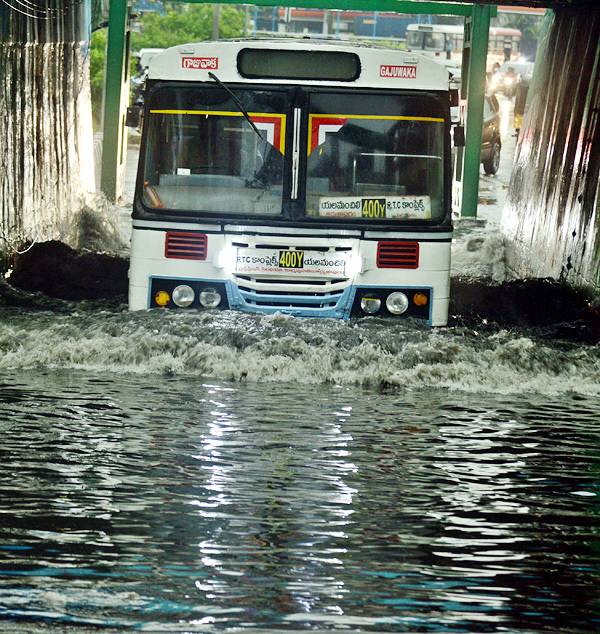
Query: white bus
309	178
444	42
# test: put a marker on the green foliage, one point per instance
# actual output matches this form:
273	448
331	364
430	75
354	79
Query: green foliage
172	23
97	55
530	26
182	23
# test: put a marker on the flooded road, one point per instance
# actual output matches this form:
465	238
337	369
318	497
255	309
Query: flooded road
182	505
200	472
223	472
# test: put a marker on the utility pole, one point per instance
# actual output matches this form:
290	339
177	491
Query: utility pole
215	28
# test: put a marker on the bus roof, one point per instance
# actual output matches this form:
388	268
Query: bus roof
378	67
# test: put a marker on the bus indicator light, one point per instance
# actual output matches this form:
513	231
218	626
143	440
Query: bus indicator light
420	299
162	298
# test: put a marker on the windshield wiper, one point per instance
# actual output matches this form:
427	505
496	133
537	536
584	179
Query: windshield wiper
238	103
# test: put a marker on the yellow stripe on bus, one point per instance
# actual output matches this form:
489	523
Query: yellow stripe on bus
266	115
366	116
220	112
374	116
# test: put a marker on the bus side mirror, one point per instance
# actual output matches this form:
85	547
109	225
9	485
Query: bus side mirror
459	136
132	119
454	97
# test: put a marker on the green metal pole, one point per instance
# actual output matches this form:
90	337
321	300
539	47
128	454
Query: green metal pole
474	123
116	73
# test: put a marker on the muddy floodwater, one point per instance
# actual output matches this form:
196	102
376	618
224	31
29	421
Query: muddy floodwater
202	472
222	472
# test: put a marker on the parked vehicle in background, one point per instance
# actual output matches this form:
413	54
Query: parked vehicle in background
138	80
491	144
144	56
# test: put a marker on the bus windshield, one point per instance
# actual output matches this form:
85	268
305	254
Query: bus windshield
375	157
371	157
204	155
425	40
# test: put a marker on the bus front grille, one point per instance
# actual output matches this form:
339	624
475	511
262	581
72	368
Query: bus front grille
300	294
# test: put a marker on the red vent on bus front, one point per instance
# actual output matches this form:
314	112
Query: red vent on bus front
186	246
398	255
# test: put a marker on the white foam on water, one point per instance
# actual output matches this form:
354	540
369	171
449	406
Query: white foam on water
70	610
372	353
235	346
478	250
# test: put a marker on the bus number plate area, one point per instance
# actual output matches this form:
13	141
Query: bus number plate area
290	262
373	208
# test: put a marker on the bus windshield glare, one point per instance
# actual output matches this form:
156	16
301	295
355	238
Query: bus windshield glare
426	41
204	157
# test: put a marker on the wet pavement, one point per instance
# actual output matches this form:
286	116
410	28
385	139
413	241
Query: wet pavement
493	189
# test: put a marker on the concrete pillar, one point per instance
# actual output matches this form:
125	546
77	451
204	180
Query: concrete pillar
116	97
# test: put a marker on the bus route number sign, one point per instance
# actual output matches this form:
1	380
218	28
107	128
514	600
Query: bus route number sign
373	207
376	208
291	259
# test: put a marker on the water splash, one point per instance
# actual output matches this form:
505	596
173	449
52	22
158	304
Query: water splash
46	170
478	251
371	353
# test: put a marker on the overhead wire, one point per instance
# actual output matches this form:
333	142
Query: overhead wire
40	10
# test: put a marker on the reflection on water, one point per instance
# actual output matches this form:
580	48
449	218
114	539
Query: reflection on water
171	504
194	472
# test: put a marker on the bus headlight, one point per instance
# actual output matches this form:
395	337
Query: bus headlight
227	259
183	295
210	297
354	265
370	303
397	303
